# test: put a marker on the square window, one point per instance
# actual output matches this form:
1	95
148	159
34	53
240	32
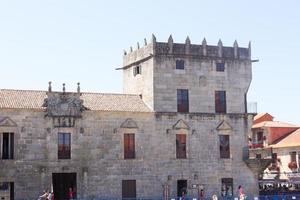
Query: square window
220	67
179	64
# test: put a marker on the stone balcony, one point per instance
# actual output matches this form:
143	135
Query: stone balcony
257	159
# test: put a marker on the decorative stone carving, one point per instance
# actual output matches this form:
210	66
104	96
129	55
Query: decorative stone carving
129	123
64	107
180	124
6	121
224	126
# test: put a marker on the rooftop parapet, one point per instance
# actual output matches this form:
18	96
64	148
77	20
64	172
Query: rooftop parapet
187	49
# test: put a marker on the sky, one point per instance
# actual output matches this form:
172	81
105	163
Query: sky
70	41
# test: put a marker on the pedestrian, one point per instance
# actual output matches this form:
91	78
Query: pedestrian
44	196
240	192
71	194
214	197
201	195
182	196
50	196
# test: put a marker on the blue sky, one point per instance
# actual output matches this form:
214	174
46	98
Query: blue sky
71	41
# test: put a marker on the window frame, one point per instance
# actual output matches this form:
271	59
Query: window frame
220	66
179	64
137	70
65	153
220	101
182	100
181	147
224	150
7	148
129	146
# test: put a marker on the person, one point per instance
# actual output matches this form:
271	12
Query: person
71	194
240	192
214	197
182	196
44	196
201	195
50	196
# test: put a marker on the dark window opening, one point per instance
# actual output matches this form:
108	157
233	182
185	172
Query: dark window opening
129	146
182	100
64	146
137	70
258	156
224	146
274	158
227	187
179	64
260	137
128	189
7	190
220	101
220	67
181	146
293	156
181	187
8	146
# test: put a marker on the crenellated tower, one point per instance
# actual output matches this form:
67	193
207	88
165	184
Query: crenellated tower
165	73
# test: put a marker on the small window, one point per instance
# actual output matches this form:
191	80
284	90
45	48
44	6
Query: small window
181	146
129	146
227	187
224	146
7	146
64	146
137	70
179	64
182	100
220	101
220	67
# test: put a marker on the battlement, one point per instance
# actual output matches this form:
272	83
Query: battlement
186	49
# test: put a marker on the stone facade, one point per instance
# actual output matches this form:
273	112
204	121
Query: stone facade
97	146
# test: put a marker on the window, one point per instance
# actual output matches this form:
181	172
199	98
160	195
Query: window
220	101
137	70
129	146
182	100
7	190
227	187
224	146
128	189
64	146
7	146
260	136
274	158
180	146
179	64
293	156
220	67
258	156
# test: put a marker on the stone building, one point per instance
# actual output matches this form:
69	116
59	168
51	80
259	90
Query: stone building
180	126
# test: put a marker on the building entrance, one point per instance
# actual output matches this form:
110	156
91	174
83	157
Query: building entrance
62	182
181	187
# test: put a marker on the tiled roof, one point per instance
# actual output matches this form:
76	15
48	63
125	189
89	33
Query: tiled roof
290	140
274	124
33	99
260	115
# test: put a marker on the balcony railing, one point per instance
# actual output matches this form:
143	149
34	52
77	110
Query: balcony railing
255	145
